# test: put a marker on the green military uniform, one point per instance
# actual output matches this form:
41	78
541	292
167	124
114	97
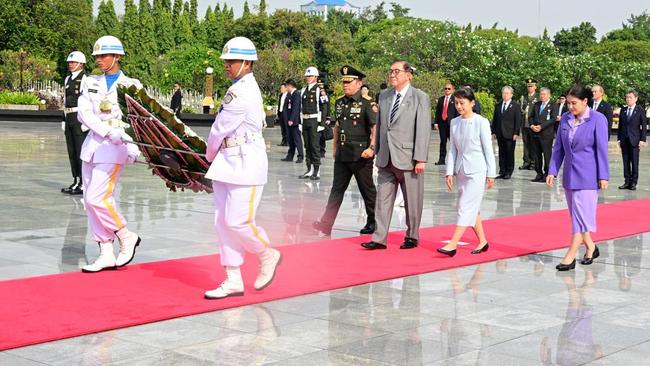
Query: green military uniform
527	102
354	118
74	136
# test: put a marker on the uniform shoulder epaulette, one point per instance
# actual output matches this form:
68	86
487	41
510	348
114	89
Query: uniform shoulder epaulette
367	97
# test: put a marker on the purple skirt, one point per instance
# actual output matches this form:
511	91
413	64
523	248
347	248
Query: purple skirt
582	207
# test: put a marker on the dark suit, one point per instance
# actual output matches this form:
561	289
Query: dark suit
606	109
292	113
542	140
176	103
561	109
631	130
281	116
443	124
505	125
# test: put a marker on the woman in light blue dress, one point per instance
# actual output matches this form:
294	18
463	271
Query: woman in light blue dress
471	160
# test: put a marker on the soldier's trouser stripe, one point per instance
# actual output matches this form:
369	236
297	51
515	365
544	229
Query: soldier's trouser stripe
109	192
251	217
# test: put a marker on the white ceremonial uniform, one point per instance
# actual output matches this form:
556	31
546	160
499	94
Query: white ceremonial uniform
102	160
238	171
471	159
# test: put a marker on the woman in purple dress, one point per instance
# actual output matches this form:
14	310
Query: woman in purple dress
581	144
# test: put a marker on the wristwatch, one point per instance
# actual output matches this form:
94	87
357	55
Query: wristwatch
371	147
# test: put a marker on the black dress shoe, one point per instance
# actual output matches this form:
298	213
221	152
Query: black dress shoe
565	267
530	167
439	163
286	158
368	229
299	161
77	191
624	186
372	245
632	187
538	179
449	253
500	176
524	167
484	248
409	243
69	189
507	176
322	227
587	261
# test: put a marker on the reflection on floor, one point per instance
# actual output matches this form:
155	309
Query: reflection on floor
510	312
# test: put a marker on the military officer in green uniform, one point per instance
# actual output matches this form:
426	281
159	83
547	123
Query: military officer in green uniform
353	149
75	132
527	102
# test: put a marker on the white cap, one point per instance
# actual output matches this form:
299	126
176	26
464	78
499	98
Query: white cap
108	45
239	48
311	71
76	56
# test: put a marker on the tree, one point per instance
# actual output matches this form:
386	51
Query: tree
106	22
147	46
399	11
16	25
193	13
176	10
262	8
575	40
246	12
637	28
183	32
164	31
130	35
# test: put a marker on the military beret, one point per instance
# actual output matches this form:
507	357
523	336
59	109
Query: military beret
531	81
350	73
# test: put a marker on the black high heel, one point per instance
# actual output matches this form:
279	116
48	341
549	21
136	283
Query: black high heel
484	248
587	261
449	253
566	267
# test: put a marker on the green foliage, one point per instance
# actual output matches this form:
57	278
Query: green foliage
575	40
622	51
637	28
487	104
187	65
163	29
106	22
35	68
279	63
19	98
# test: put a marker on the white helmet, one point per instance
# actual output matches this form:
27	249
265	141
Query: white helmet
239	48
311	71
108	45
76	56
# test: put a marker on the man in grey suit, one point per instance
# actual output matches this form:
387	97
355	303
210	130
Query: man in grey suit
403	134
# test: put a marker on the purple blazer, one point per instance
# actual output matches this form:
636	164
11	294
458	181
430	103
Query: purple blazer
585	159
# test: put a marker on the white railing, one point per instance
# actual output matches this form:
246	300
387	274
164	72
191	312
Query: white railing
191	99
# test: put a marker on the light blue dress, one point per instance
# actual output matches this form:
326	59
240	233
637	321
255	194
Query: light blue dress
471	159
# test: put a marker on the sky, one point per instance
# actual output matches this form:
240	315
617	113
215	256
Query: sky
530	17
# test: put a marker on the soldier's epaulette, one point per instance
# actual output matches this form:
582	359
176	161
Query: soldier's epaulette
367	97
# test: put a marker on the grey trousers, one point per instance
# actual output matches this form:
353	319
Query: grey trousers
412	186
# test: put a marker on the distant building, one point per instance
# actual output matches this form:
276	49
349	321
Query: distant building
322	7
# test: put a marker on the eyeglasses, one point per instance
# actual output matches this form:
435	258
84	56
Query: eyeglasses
395	72
447	88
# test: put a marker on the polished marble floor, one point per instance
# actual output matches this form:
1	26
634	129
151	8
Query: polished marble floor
509	312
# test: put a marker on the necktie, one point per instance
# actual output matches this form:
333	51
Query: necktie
595	106
541	108
629	112
504	107
444	109
393	111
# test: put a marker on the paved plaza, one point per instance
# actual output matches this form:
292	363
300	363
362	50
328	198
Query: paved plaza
518	311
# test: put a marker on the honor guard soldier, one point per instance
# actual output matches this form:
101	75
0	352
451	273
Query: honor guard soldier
311	116
239	172
353	149
104	153
527	104
324	102
75	132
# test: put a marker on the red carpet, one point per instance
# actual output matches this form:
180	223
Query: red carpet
41	309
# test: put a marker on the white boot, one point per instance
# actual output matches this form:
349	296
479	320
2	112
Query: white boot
128	241
106	259
232	286
269	261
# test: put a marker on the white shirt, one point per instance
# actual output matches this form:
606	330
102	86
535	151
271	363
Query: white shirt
402	93
595	104
241	115
282	98
505	105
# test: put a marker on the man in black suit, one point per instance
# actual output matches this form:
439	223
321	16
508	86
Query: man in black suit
632	129
292	116
176	103
542	118
598	104
445	112
561	109
505	127
282	103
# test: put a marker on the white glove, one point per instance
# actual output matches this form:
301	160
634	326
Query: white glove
133	152
320	128
300	127
63	126
84	128
115	135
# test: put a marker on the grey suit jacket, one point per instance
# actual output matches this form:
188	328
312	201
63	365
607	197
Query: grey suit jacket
406	140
